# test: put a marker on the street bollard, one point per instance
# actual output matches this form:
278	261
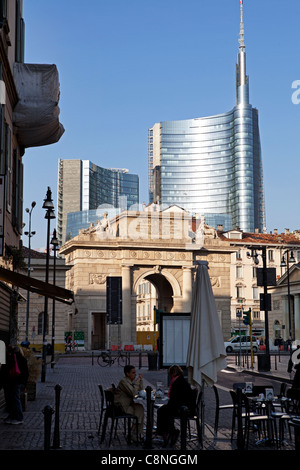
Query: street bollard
149	425
48	412
56	437
183	426
240	434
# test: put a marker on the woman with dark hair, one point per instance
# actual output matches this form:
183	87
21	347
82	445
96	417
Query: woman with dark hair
180	394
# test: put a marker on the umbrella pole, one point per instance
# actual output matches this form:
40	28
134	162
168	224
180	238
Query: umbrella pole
202	414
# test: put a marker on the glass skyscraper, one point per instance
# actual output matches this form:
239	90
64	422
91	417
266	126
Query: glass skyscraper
212	166
83	187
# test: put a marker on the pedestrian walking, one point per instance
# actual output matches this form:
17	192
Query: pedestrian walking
13	380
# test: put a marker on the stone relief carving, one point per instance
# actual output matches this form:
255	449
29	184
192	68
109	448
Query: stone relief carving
215	281
97	278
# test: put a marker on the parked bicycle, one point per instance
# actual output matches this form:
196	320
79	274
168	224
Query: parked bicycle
106	359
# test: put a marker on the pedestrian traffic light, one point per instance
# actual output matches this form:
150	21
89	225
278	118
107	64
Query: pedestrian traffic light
247	317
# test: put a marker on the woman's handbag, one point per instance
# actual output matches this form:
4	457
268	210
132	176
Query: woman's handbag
15	371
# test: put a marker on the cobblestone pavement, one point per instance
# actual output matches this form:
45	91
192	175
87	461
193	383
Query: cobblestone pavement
79	412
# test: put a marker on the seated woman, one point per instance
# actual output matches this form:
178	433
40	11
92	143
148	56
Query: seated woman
125	392
180	394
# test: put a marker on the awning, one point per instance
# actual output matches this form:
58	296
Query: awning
36	115
39	287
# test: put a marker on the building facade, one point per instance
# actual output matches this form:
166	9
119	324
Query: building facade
31	306
212	165
84	186
246	289
29	117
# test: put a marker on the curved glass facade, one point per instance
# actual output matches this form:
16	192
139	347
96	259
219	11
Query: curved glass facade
84	187
212	165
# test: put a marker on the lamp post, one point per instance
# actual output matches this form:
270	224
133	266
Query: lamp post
30	234
289	258
54	243
48	205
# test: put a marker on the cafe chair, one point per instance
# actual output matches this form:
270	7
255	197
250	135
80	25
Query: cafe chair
258	389
229	406
258	422
114	413
196	414
293	395
102	406
237	385
244	412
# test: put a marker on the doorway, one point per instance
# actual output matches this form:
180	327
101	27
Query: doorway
99	330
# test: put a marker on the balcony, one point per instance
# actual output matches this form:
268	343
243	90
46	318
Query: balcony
36	115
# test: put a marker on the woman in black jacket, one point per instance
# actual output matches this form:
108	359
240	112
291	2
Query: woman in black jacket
180	394
13	379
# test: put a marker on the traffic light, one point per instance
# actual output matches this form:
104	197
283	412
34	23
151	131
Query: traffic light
156	315
247	317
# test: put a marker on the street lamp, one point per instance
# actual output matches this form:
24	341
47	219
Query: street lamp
289	258
54	243
30	234
48	205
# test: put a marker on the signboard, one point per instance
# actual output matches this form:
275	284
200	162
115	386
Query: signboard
114	300
174	339
262	302
77	338
271	276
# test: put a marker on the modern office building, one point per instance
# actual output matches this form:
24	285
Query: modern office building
212	165
84	186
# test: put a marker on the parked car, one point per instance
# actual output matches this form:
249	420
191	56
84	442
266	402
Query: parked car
240	342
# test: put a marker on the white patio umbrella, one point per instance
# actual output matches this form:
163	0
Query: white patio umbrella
206	352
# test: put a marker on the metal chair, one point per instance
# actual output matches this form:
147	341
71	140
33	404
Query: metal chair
102	406
293	410
114	413
256	421
195	414
258	389
219	408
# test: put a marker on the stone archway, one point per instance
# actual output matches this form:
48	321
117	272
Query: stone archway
161	251
166	284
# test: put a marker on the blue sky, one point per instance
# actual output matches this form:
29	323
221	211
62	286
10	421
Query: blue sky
125	65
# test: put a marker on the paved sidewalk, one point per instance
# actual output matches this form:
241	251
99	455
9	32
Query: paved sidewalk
80	408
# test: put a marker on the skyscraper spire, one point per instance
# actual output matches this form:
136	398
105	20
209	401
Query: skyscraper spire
241	40
242	90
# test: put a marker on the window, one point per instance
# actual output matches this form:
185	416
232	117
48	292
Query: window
255	293
3	12
20	32
41	323
271	255
239	292
239	272
239	254
17	191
